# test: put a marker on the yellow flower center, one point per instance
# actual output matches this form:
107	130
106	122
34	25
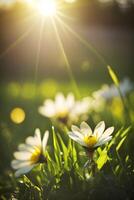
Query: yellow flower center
62	113
90	141
35	156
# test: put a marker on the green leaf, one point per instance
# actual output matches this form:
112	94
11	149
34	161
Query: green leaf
119	132
70	154
52	167
117	168
102	159
65	151
57	150
74	152
120	143
122	138
127	158
113	76
125	132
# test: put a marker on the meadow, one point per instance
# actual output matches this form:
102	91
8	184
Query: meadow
66	174
66	105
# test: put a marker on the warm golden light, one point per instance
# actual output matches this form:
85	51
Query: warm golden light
70	1
17	115
46	7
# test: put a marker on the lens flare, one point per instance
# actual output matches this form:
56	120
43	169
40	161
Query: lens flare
47	7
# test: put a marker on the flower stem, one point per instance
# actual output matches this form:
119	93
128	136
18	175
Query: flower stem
90	154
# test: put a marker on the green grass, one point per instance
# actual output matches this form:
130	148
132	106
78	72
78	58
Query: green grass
64	176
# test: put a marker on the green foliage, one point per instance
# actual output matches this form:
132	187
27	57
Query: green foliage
64	175
113	76
68	174
102	159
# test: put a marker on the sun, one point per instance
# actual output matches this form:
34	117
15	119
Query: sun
46	7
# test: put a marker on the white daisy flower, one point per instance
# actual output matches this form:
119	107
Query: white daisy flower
97	104
81	110
30	154
64	109
91	140
108	92
126	86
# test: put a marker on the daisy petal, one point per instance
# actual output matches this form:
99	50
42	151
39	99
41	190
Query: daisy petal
31	141
76	131
48	109
16	164
70	101
75	128
26	147
59	100
23	170
38	137
85	129
107	133
22	155
45	140
99	129
101	142
76	139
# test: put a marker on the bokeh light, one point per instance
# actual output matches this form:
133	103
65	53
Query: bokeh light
28	91
17	115
13	89
47	7
117	108
48	88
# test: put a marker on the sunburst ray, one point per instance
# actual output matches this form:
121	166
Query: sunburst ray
39	49
17	41
83	41
74	84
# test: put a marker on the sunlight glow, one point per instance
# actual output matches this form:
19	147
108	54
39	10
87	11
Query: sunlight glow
47	8
70	1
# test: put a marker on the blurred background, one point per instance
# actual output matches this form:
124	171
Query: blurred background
37	60
41	55
106	25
